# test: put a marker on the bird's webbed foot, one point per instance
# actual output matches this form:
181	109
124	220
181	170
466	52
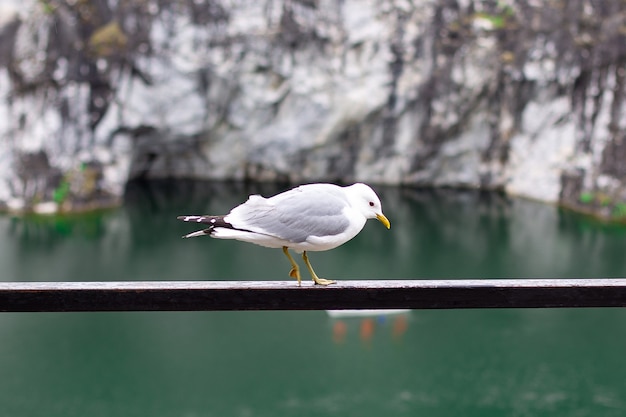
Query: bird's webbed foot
317	280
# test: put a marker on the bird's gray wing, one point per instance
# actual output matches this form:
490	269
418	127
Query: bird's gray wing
293	216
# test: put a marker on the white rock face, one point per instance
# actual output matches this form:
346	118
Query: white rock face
430	93
542	151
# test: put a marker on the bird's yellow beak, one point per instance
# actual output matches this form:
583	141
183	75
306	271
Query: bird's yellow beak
381	218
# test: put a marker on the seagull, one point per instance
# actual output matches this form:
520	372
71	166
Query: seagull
308	218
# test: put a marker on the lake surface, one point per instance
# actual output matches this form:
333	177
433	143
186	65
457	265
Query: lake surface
556	362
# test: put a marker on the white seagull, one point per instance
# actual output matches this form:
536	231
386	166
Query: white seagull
312	217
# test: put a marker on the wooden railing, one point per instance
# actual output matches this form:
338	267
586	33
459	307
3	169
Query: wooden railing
286	295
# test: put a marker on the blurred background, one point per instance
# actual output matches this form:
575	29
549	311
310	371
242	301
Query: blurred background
493	131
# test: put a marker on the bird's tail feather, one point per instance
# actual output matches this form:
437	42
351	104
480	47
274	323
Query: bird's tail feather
199	219
199	233
212	221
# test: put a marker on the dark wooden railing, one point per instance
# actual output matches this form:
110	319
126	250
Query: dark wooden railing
286	295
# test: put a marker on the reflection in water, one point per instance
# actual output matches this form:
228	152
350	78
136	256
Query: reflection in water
293	363
367	326
396	320
400	326
367	329
340	329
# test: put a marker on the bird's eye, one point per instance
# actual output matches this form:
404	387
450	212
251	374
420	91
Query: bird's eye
371	204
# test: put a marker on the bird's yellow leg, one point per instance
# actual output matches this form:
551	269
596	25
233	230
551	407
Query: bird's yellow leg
295	270
316	279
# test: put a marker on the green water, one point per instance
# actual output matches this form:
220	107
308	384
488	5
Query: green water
540	362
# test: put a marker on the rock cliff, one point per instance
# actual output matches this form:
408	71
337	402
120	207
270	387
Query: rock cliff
523	96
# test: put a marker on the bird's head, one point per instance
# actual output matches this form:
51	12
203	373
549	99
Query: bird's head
365	200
